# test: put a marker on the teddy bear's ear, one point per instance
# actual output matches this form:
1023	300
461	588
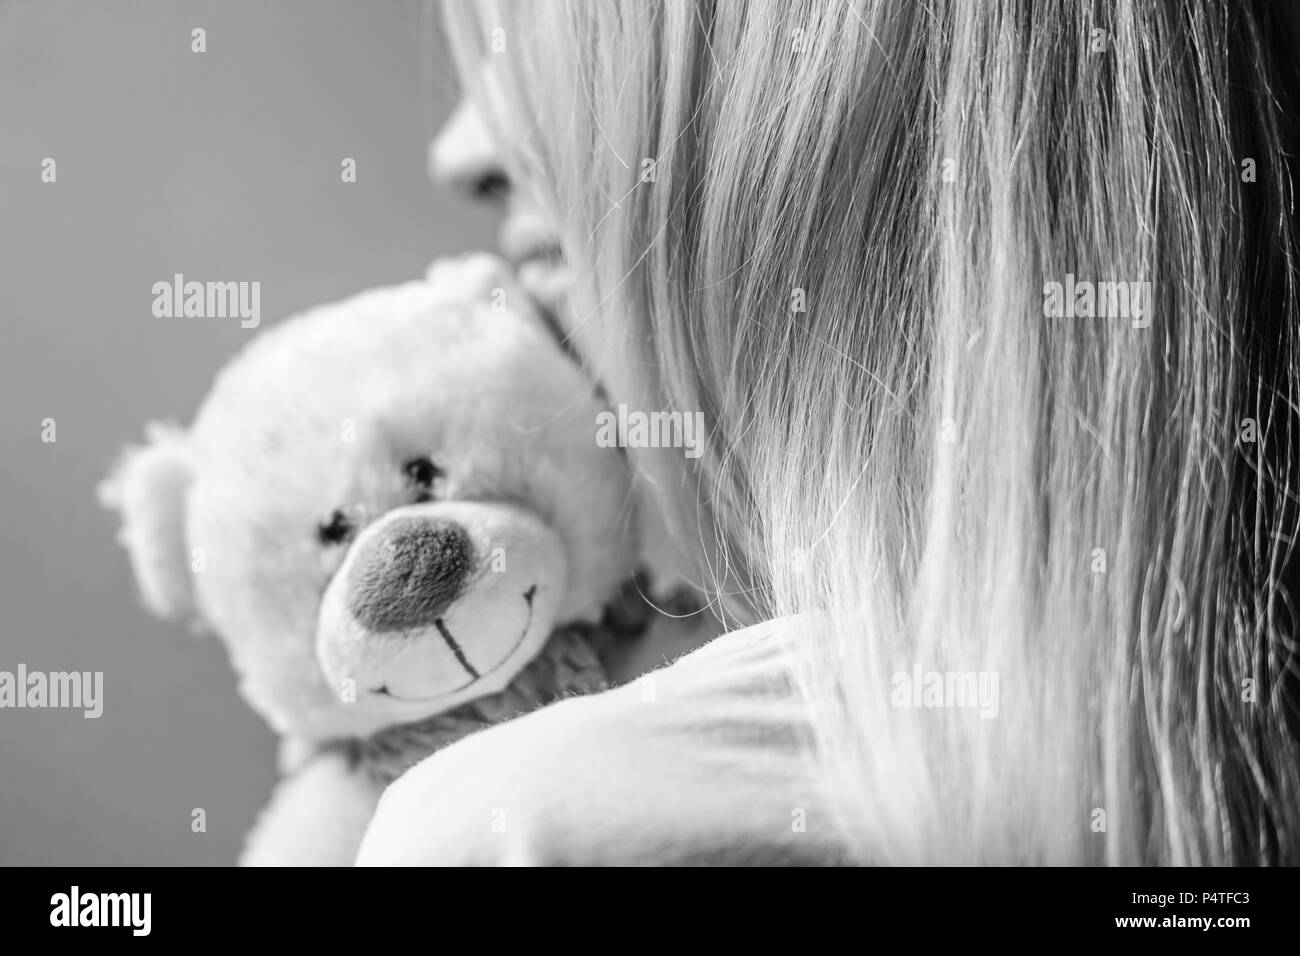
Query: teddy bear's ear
148	490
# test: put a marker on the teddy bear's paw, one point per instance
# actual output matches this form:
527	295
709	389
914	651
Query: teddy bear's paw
316	817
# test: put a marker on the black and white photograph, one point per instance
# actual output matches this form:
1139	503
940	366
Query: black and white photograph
854	434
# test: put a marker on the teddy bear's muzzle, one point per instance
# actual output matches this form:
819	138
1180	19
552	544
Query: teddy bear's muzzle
437	603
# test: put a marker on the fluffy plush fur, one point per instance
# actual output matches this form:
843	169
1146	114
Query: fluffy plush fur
385	508
321	810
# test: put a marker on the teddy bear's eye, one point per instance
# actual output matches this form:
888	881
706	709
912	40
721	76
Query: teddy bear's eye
421	472
335	530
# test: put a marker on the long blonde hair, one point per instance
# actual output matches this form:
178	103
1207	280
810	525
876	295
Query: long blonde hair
829	226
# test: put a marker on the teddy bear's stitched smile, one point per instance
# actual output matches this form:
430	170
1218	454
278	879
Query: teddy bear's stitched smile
456	649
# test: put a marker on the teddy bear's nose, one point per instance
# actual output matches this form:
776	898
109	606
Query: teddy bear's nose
408	576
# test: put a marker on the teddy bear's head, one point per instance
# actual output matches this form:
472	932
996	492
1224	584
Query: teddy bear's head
384	506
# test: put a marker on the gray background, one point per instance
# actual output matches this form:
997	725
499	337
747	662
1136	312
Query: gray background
223	166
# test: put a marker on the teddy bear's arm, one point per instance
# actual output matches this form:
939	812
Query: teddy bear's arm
316	817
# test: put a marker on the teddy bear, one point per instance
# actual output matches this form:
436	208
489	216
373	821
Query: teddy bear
393	513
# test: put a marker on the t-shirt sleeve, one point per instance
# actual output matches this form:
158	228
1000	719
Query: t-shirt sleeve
704	761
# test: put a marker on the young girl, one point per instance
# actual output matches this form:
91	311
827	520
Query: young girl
990	310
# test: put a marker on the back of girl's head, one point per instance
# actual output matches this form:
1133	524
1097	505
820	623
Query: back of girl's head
990	310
